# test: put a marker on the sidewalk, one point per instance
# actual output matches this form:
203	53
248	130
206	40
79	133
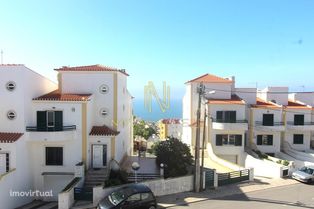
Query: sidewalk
186	198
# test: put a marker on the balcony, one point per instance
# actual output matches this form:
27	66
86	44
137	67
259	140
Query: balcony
233	125
275	126
305	126
63	133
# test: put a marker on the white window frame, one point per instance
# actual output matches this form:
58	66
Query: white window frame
53	118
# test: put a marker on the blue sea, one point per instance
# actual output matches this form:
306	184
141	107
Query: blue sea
175	110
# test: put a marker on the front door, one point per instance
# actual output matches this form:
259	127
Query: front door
3	164
99	155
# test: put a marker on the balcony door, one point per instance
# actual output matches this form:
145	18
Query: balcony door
226	116
268	119
99	155
49	120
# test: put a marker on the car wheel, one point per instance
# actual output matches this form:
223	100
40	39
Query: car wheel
309	181
152	207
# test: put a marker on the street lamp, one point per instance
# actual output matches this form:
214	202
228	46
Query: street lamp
135	166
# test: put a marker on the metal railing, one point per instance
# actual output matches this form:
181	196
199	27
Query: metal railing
228	121
293	123
261	123
50	129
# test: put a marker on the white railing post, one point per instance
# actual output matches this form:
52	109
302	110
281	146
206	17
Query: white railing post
204	179
215	179
251	174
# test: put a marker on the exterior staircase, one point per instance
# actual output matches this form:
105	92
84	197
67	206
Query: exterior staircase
94	178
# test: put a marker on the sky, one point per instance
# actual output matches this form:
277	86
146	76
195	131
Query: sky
261	42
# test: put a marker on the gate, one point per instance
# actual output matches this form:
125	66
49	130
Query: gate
233	177
209	178
83	194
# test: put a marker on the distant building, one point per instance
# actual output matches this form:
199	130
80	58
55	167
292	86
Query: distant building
170	128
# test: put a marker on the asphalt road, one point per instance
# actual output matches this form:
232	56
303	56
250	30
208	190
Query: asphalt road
293	196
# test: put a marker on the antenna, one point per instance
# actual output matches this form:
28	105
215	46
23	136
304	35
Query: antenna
1	57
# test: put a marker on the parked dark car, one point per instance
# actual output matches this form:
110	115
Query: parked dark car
133	196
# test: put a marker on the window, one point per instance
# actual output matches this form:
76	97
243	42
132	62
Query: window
103	112
11	115
135	197
224	139
298	139
268	119
226	116
299	120
147	196
49	120
264	140
54	155
103	89
10	86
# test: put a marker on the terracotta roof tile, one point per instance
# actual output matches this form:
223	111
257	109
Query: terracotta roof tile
6	137
234	100
56	96
260	103
91	68
103	131
209	78
171	121
296	105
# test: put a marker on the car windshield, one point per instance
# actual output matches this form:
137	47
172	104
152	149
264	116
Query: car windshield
307	170
117	197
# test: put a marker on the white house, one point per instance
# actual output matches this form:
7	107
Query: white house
227	124
18	85
86	118
170	128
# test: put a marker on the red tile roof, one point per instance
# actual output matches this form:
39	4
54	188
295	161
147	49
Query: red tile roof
56	96
260	103
6	137
235	99
103	131
91	68
208	78
296	105
171	121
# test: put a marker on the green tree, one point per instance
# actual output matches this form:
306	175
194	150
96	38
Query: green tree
142	129
175	155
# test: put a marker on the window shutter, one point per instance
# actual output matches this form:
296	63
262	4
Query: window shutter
41	120
270	139
219	116
233	116
259	139
218	140
238	141
268	119
58	120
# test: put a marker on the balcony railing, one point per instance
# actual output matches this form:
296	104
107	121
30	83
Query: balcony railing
261	123
228	121
292	123
50	129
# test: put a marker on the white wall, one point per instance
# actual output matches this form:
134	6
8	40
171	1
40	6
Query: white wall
247	94
268	148
306	140
305	97
271	93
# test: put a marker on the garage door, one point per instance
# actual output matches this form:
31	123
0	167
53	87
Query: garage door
230	158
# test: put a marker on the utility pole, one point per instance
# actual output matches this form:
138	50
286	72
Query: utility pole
197	182
203	149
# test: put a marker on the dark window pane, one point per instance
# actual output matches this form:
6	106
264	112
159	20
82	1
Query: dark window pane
238	141
268	119
298	139
54	156
218	140
299	120
50	119
219	116
233	116
259	139
104	155
269	139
